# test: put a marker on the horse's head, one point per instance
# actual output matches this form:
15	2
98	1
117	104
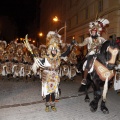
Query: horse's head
110	51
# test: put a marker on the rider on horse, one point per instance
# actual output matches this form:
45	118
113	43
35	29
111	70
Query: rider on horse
93	43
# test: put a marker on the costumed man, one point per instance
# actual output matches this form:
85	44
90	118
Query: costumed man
50	65
3	45
93	43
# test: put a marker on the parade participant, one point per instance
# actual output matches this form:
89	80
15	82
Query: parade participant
50	65
3	45
42	49
8	58
93	42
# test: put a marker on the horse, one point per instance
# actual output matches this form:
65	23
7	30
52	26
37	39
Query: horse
101	74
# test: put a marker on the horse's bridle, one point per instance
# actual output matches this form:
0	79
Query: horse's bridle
111	62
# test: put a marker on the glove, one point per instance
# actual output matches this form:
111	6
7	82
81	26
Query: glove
73	42
33	55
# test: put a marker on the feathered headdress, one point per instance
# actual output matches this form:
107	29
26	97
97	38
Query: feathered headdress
98	25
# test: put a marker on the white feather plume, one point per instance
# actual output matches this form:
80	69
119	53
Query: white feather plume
90	24
105	22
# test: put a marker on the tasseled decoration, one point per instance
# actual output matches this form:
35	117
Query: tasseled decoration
69	72
22	72
4	71
13	68
37	63
105	89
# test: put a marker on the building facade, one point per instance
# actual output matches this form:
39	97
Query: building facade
77	14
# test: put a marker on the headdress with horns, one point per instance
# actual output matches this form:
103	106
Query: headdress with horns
53	38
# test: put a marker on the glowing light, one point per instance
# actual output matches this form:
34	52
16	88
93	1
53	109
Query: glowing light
41	34
33	41
55	19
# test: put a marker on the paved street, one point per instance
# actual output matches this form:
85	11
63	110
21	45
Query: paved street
21	100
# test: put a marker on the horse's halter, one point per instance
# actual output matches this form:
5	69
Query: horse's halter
113	52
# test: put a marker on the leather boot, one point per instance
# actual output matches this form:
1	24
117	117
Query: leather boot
47	109
84	81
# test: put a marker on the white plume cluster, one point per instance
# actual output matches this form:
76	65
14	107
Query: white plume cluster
98	25
103	21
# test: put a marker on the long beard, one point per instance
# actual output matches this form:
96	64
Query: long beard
53	55
94	36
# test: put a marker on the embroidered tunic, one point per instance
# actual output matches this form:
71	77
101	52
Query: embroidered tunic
50	75
92	44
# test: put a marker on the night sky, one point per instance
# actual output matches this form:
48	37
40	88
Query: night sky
23	12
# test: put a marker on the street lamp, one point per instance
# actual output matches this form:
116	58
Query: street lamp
55	19
40	37
40	34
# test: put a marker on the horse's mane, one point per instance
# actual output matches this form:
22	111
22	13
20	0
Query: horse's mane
108	43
